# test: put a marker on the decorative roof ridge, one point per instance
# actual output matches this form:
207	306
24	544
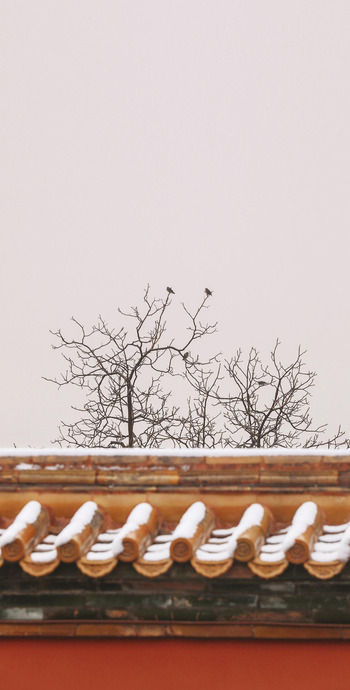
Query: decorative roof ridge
245	470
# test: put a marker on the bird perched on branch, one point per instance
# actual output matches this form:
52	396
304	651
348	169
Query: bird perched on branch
263	383
208	292
185	355
170	291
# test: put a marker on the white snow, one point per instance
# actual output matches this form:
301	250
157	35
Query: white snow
45	551
27	466
276	539
330	538
276	546
223	532
161	555
221	556
158	547
80	519
189	522
252	516
26	516
185	529
44	547
163	538
274	557
169	452
208	552
100	546
101	556
43	556
335	528
333	544
107	538
138	516
212	548
50	539
113	531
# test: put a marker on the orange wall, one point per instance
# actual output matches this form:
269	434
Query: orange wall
172	665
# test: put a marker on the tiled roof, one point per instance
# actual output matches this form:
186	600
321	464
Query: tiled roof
34	540
221	543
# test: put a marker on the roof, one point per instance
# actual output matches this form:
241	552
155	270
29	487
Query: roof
91	538
169	518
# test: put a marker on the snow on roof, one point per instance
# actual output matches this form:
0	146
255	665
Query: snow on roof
276	547
329	544
26	516
167	452
81	517
215	552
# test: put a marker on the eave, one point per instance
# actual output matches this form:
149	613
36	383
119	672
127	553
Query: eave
237	604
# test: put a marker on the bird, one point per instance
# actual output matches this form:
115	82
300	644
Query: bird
170	291
263	383
208	292
185	355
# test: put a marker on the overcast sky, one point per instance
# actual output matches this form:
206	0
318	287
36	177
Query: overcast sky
185	143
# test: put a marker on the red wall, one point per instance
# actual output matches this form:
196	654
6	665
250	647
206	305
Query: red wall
32	664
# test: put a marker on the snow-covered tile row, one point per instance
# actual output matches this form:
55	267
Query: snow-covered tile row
89	539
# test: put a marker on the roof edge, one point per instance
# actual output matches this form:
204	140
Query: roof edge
258	469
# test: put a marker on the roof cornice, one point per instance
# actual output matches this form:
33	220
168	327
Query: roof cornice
262	471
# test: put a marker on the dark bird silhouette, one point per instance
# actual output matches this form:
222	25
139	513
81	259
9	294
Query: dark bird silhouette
185	355
263	383
170	291
208	292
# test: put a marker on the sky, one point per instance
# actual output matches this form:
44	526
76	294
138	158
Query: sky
189	143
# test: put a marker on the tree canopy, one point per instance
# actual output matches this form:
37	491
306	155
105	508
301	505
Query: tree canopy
142	387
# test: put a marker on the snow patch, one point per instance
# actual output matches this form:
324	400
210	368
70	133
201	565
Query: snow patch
43	556
334	545
185	529
161	555
80	519
27	466
275	549
101	556
27	516
209	552
138	516
190	520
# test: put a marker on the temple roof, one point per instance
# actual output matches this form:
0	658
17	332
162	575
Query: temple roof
39	540
216	515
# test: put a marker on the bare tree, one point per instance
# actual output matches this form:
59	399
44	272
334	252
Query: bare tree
269	404
127	376
201	425
144	388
